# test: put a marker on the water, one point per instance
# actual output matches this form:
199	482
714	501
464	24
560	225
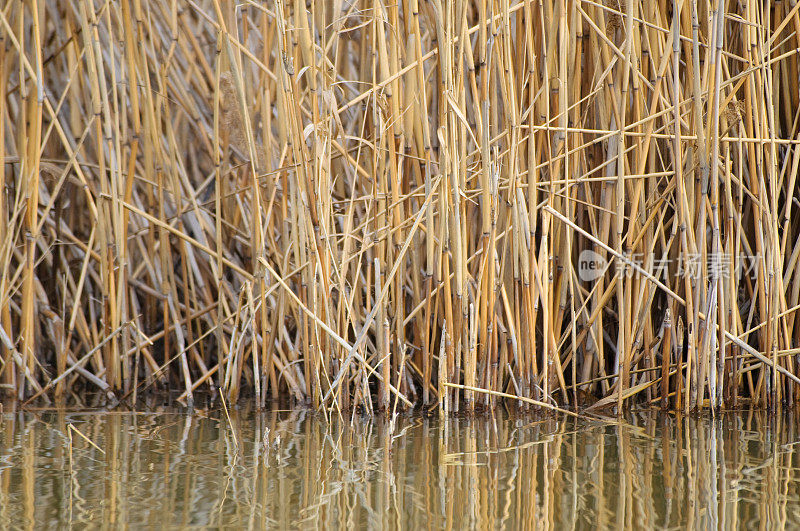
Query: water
290	469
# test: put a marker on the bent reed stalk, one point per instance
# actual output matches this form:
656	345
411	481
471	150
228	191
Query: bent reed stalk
360	203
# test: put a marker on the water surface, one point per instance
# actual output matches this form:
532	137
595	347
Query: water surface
295	469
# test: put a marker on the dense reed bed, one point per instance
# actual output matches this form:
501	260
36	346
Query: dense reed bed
372	204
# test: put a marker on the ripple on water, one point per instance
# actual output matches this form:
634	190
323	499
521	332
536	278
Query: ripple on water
295	469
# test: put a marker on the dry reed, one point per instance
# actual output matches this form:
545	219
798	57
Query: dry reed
293	198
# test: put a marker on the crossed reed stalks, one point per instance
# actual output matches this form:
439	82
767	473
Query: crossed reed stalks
376	204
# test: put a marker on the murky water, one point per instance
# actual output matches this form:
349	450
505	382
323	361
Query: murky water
296	469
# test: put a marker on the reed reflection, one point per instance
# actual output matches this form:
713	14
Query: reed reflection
297	469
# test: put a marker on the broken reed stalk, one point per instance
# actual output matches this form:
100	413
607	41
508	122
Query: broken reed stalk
598	199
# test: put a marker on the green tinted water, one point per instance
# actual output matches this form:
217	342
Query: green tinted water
289	469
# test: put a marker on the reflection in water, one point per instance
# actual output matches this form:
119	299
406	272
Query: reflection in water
295	469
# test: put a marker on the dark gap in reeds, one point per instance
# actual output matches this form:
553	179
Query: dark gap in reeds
377	205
